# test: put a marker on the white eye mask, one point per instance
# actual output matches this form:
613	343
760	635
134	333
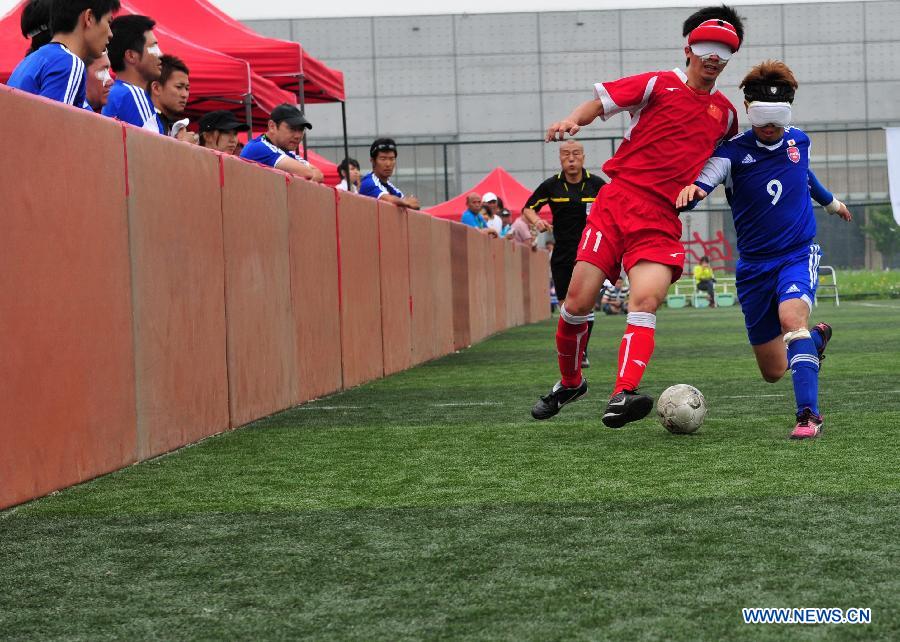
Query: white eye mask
104	77
154	51
778	114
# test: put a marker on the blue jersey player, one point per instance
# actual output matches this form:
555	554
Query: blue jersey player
81	31
768	184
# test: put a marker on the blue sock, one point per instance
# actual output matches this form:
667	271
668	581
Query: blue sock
817	338
804	364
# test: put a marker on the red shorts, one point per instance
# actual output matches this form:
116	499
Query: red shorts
624	228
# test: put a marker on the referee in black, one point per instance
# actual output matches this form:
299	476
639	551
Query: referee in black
571	193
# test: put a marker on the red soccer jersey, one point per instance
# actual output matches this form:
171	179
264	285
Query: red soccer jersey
674	130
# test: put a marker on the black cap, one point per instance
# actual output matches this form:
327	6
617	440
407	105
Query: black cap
223	121
289	114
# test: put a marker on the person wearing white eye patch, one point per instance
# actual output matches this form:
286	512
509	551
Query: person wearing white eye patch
768	183
135	56
99	82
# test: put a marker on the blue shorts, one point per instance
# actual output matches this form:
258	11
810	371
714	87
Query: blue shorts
762	285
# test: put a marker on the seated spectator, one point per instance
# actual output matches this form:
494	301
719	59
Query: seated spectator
170	95
614	299
219	130
706	282
80	30
278	146
377	184
490	208
135	57
239	148
35	24
99	82
505	219
520	231
472	216
349	168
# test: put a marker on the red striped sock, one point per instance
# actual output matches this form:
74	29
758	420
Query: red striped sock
636	350
571	335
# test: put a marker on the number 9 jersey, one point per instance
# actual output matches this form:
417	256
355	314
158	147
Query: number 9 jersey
768	188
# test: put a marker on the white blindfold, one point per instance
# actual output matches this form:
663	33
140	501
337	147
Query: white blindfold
708	48
778	114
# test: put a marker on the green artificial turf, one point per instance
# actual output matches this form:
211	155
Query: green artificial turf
430	505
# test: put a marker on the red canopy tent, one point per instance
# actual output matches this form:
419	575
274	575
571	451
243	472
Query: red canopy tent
328	168
281	61
218	81
500	182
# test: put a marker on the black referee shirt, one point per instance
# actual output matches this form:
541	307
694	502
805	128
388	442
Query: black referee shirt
570	204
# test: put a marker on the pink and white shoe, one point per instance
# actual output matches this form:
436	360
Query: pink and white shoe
809	425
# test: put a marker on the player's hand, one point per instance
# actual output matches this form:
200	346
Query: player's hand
558	131
412	202
688	195
542	225
844	213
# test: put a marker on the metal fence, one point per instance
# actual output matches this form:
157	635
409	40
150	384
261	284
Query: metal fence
849	161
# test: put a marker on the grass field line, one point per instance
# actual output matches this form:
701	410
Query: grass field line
879	305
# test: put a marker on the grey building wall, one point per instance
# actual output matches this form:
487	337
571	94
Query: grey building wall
506	76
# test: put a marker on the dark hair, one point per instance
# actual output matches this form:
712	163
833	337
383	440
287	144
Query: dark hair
64	13
499	203
171	64
724	12
382	145
128	35
35	23
344	167
704	259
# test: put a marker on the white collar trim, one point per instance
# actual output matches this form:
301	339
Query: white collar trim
684	79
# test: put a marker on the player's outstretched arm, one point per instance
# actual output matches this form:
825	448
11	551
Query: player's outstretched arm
688	195
826	199
584	114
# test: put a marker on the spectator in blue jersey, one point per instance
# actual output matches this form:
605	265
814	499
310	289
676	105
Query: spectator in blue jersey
99	83
278	146
35	24
472	216
135	57
377	184
80	32
170	93
768	183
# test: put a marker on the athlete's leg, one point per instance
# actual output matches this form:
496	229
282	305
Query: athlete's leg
562	270
571	331
649	284
572	328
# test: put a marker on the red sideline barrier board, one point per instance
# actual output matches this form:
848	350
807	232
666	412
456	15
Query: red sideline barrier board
515	306
314	289
539	296
262	373
481	286
66	342
442	287
498	269
526	286
393	257
421	287
178	272
361	336
459	263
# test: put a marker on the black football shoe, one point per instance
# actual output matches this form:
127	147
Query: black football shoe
825	331
626	406
551	404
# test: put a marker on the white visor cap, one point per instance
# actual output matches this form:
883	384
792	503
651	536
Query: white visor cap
708	48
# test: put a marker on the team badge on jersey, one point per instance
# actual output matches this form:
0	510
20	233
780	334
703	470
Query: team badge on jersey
794	154
715	112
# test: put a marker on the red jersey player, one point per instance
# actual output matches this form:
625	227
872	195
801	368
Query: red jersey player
677	119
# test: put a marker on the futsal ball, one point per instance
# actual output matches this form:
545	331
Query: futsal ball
681	409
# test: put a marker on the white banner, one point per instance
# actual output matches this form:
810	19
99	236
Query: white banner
893	158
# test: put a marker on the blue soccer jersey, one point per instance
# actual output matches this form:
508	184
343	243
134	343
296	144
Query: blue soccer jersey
265	152
133	105
372	186
768	188
53	72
